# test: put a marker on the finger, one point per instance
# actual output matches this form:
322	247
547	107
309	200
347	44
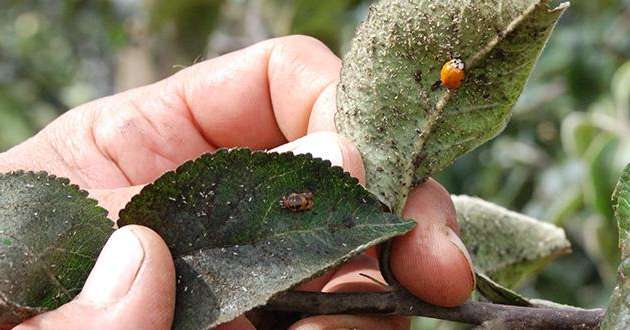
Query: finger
323	115
431	202
348	278
132	286
258	97
330	146
278	81
316	284
431	261
114	200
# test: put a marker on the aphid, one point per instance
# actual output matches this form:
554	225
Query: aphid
452	74
417	76
298	202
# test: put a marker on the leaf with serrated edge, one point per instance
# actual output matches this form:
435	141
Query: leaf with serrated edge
50	237
618	312
506	245
235	245
404	129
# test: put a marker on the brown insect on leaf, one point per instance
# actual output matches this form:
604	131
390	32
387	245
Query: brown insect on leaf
298	202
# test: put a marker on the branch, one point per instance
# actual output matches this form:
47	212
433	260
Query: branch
401	302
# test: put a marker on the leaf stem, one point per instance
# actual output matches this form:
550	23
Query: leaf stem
400	302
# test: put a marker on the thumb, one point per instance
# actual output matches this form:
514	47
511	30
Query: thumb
132	286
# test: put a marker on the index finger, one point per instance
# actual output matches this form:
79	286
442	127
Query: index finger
260	96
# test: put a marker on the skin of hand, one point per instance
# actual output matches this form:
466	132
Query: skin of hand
280	94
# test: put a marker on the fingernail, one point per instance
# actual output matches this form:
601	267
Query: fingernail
324	145
115	269
455	240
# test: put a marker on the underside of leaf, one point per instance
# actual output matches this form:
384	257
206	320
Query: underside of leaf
497	293
618	312
236	238
50	237
404	128
506	245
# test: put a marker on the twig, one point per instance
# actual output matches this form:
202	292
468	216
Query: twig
401	302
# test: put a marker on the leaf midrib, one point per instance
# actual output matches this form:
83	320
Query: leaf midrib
438	110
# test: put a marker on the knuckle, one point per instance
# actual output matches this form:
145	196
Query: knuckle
303	41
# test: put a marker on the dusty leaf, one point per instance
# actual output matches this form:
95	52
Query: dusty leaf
497	293
50	237
506	245
404	129
618	312
235	245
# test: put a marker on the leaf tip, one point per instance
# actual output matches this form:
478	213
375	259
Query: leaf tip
563	6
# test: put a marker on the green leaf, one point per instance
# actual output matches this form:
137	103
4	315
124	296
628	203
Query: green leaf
50	237
621	92
506	245
404	129
578	133
600	177
598	189
618	312
234	243
497	293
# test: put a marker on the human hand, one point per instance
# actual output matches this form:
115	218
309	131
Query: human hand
278	94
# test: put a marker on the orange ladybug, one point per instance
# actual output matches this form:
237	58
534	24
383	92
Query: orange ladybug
452	74
298	202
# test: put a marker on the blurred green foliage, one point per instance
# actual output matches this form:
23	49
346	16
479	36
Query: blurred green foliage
53	55
558	160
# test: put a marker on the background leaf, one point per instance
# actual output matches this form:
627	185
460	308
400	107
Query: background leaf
618	312
405	130
506	245
50	237
233	242
497	293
